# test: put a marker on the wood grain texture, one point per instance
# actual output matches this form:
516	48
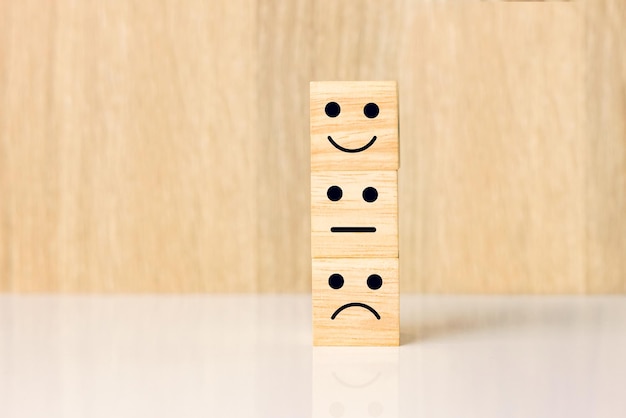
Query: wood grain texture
164	147
356	325
605	76
353	211
493	168
351	130
128	164
282	189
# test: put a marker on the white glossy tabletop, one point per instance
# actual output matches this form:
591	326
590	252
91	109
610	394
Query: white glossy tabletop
251	356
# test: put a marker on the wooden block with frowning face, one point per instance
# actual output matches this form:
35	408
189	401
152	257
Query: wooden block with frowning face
354	214
354	125
356	301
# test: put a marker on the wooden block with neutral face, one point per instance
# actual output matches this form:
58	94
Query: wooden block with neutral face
354	214
354	125
356	302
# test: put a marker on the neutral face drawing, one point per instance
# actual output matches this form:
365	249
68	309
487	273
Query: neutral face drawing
354	212
354	126
370	195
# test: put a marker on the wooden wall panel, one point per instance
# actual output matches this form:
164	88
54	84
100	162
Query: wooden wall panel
31	159
126	131
282	193
492	164
605	81
164	147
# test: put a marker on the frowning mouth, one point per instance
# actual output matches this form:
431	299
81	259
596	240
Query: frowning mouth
357	304
344	149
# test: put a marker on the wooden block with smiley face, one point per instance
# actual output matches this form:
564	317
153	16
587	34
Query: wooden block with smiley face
354	125
356	302
354	214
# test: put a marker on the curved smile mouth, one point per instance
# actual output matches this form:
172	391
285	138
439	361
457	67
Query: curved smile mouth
363	148
356	386
357	304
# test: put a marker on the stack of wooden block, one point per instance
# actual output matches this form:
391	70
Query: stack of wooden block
354	212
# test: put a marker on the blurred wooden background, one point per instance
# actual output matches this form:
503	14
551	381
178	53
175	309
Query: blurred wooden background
163	146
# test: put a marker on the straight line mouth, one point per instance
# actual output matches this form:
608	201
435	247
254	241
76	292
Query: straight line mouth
353	229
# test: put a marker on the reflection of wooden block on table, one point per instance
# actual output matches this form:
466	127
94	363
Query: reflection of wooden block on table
354	115
356	301
355	382
363	199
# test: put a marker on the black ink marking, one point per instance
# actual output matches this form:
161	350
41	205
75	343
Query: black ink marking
334	193
335	281
370	194
371	110
363	148
332	109
357	304
353	229
374	281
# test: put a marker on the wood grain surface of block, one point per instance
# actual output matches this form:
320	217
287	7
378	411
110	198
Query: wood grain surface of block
354	125
361	307
352	210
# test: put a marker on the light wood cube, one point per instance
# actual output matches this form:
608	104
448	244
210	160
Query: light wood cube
356	301
354	125
352	226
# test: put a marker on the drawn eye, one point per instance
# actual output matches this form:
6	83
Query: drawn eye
371	110
370	194
333	109
336	281
334	193
374	281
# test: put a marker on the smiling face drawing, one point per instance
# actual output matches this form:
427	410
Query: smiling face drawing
354	126
356	300
370	110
